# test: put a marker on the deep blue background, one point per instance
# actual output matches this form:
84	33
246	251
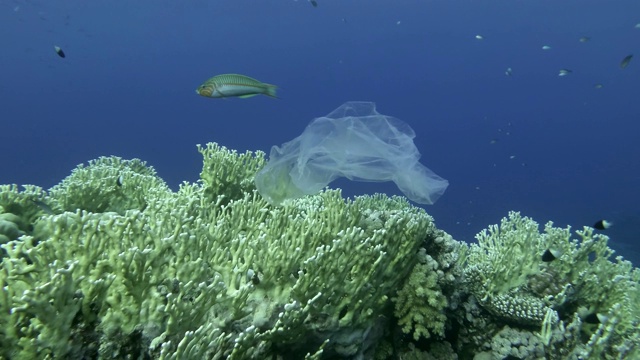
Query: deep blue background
126	88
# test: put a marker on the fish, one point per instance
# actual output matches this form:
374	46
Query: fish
584	39
43	206
512	357
550	255
119	181
594	318
59	51
509	72
235	85
625	62
564	72
598	86
546	47
479	37
602	225
314	3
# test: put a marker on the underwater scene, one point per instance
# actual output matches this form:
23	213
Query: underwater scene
320	179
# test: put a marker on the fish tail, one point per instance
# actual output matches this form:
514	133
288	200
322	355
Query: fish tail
270	90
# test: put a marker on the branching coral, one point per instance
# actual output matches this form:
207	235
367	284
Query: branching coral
578	288
113	264
420	304
108	184
209	271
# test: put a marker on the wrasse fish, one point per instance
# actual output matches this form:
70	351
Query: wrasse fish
234	85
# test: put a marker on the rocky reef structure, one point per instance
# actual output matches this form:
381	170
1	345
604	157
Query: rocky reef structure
113	264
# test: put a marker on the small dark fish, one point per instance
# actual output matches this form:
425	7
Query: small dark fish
43	206
550	254
625	62
595	318
59	51
602	225
314	3
255	279
119	181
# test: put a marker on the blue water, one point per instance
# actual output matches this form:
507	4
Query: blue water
564	150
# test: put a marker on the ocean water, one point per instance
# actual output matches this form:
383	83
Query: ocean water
556	148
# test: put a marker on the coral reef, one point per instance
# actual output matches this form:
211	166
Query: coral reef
113	264
568	292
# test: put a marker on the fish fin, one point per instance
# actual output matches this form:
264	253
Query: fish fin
247	96
270	90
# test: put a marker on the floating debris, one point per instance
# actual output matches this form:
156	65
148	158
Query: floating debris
602	225
564	72
59	51
509	72
625	62
546	47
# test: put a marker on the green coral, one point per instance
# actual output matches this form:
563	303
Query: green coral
198	273
109	184
509	279
420	304
227	173
111	263
506	255
19	209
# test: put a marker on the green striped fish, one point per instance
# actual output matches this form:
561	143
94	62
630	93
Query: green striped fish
235	85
